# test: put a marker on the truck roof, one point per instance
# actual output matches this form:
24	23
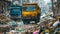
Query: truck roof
30	4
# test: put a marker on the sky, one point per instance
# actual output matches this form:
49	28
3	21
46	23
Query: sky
47	0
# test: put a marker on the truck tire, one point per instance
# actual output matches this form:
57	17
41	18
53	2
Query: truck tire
25	21
38	17
36	21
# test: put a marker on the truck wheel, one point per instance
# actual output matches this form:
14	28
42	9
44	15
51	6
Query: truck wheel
25	21
37	20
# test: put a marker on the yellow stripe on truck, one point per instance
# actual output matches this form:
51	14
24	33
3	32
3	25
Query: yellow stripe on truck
29	13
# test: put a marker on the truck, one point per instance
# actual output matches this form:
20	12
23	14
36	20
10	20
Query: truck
15	12
31	13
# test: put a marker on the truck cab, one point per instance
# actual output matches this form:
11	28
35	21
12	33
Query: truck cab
30	12
15	12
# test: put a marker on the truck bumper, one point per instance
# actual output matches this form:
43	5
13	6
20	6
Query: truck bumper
29	18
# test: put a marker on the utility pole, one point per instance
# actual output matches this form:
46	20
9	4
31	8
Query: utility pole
52	6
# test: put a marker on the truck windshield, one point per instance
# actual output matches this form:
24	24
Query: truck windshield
29	8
